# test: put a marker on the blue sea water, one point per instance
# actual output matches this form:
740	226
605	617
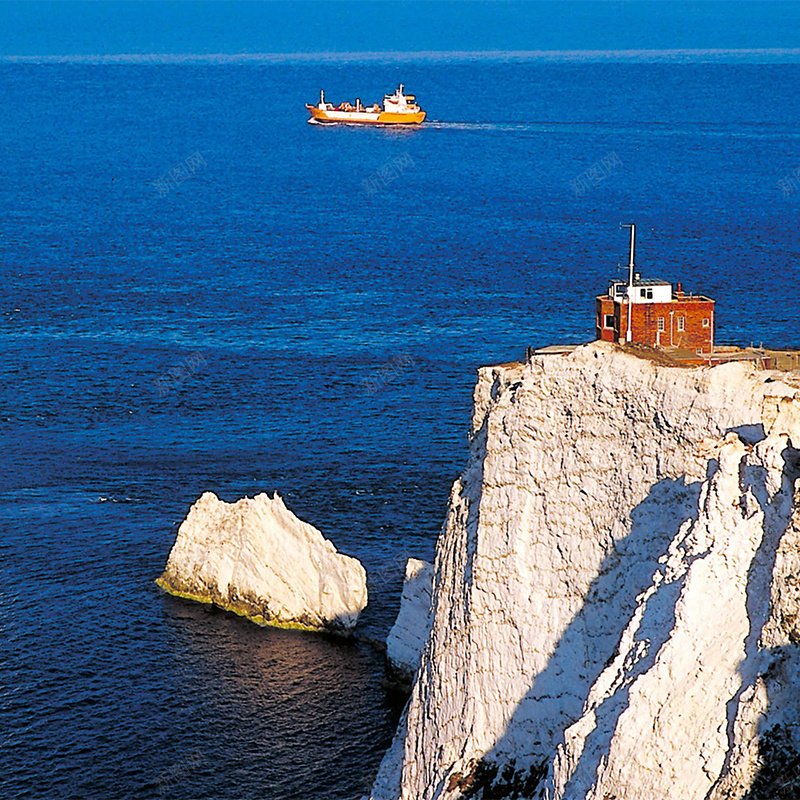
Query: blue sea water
200	291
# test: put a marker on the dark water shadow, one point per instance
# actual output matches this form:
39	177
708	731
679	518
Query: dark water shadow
251	697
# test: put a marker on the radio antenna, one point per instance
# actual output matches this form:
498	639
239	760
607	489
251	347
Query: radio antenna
630	275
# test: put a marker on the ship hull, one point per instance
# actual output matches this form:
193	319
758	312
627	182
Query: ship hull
364	117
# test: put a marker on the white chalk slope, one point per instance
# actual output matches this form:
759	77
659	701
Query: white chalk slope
255	557
410	630
615	604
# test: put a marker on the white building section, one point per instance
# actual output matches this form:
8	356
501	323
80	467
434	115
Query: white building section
643	291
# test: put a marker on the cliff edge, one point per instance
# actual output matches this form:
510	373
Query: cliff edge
616	592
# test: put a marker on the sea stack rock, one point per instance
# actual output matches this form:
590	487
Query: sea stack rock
410	630
256	558
616	604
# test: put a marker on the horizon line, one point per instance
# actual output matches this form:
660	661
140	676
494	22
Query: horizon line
751	55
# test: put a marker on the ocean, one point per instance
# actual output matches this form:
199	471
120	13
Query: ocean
203	292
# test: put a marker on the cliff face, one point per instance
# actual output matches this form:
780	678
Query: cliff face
408	634
256	558
617	587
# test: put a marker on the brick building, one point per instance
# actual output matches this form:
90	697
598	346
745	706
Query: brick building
657	315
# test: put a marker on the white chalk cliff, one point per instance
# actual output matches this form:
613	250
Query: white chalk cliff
256	558
616	601
410	630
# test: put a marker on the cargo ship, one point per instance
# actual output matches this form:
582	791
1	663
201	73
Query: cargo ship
398	109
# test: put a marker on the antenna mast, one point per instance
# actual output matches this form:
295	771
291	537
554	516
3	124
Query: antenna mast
630	276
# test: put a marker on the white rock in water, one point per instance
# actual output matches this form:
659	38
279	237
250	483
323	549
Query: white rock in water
616	609
410	630
256	558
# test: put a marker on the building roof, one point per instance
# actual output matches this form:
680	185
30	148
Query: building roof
650	282
684	297
643	282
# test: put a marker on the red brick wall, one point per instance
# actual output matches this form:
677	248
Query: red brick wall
605	305
694	336
644	323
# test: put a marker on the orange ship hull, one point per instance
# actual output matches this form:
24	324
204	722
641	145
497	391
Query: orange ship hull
365	117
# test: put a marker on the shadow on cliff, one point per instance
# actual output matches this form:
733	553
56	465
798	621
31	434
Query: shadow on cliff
588	645
605	613
778	776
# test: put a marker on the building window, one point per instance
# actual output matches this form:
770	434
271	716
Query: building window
681	323
646	293
661	323
706	323
609	320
